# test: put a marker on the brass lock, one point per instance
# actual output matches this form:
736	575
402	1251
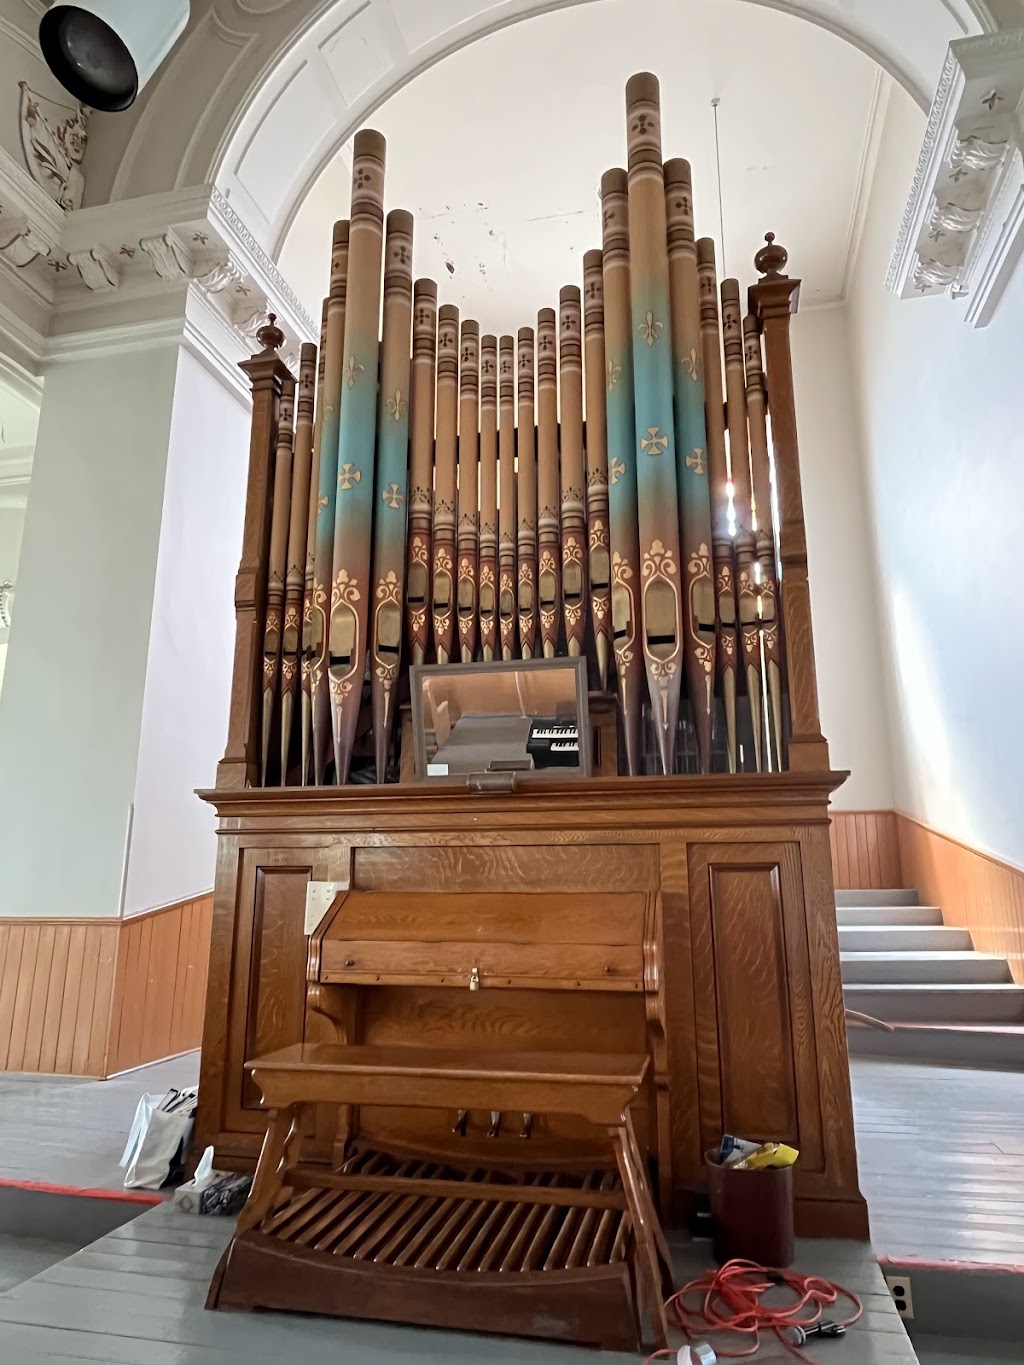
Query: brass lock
474	979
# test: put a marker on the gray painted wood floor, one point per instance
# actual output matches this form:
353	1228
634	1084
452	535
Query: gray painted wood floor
941	1154
135	1298
63	1130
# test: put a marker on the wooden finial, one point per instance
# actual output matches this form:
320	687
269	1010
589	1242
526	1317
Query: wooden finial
270	337
771	259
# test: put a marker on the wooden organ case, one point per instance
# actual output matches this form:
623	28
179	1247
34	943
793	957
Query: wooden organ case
681	912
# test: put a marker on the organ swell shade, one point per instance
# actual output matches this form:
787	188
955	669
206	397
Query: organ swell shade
599	485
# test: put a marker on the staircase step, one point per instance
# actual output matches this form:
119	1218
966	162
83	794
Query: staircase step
968	1045
854	915
894	896
925	968
899	938
994	1003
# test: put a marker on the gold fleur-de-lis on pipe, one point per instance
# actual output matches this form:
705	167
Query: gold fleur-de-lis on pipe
696	460
322	503
616	469
654	442
397	405
689	363
349	475
614	369
352	371
393	496
651	329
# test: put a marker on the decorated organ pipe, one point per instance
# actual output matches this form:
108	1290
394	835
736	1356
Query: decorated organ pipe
743	538
488	564
572	472
549	540
657	486
392	459
445	482
468	535
599	557
622	475
699	641
718	471
526	529
507	498
327	491
353	516
600	488
298	534
423	382
768	587
276	567
307	599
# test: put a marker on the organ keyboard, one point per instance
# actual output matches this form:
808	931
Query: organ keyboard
554	744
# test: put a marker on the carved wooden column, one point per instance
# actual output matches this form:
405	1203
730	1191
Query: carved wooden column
773	300
267	373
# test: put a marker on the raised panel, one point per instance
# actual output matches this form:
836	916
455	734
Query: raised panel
562	866
752	999
277	996
757	1063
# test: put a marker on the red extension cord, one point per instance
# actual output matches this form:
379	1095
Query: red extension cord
732	1300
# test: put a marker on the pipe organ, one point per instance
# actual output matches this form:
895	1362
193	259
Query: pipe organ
600	488
619	485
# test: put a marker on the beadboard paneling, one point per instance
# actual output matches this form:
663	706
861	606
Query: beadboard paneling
865	850
158	1006
973	890
56	981
92	997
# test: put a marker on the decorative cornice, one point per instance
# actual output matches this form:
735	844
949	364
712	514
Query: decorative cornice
957	214
102	270
282	288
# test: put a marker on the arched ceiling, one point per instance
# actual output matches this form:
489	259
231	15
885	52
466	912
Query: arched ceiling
251	77
499	149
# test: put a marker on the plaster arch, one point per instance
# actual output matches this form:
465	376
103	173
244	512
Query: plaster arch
260	94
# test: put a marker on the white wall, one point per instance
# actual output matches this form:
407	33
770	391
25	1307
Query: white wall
943	422
844	601
188	674
72	700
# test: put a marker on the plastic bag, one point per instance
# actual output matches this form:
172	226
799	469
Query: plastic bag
158	1139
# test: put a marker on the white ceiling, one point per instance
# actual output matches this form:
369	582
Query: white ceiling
498	150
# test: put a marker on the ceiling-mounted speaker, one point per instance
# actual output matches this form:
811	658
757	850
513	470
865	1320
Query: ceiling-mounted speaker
104	51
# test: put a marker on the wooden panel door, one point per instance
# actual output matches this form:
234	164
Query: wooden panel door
756	1059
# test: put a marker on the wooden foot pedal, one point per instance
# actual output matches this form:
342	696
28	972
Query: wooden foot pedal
514	1266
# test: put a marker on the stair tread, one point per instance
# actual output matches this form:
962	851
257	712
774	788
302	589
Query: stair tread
901	929
920	955
920	987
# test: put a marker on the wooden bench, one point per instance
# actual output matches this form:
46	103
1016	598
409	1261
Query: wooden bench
597	1087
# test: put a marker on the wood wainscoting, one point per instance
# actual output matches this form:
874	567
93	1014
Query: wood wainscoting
973	890
865	850
92	997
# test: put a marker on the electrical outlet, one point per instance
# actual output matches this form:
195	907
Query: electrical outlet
902	1297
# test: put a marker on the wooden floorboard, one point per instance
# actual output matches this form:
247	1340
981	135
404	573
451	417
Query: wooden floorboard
941	1153
135	1298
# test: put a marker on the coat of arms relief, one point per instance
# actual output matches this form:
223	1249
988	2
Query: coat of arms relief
53	138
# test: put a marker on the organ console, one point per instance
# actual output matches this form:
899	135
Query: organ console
560	992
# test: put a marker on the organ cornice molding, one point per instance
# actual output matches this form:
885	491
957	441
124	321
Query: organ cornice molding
963	228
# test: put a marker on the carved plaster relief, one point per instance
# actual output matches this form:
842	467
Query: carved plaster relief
963	228
53	139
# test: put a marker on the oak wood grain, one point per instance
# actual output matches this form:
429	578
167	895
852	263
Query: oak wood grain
974	890
92	997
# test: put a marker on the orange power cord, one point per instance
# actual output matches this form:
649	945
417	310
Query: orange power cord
732	1300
